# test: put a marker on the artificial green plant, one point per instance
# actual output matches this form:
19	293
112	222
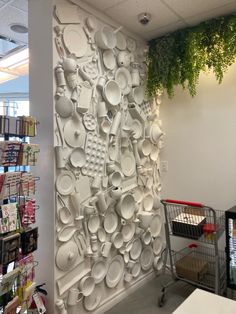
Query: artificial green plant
179	57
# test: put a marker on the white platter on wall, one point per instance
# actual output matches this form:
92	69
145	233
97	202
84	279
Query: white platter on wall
75	40
115	271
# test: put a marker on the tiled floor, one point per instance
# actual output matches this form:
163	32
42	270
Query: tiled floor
144	300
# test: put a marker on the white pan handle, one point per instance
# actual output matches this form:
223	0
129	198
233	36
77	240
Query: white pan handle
59	125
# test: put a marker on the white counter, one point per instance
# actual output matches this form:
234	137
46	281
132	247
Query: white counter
201	301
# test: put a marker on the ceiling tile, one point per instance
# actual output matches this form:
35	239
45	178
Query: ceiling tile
187	8
126	14
20	4
103	4
8	16
164	30
227	9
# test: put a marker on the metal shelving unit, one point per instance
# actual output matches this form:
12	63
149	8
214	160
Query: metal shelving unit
201	263
18	130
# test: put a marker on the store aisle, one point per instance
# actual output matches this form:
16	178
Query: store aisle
144	300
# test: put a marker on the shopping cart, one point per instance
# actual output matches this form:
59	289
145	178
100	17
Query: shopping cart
201	263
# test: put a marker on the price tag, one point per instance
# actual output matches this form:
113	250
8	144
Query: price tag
39	303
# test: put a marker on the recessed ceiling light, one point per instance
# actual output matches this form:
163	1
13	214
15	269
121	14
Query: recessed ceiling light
19	28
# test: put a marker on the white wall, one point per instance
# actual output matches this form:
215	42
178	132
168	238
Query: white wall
122	289
41	106
201	143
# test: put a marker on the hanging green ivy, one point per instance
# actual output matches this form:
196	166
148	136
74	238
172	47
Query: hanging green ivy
179	57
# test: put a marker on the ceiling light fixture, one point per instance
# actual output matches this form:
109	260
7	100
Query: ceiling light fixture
19	28
15	58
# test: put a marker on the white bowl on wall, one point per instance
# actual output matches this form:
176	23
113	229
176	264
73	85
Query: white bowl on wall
105	38
126	206
112	93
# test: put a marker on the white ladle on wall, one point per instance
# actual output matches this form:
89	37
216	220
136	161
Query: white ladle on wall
74	135
64	213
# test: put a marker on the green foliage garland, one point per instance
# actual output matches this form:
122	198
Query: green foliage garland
179	57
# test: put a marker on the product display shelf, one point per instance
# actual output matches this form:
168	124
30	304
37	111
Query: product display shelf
201	263
230	224
17	193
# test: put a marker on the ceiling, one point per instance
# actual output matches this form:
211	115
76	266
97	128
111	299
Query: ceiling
11	12
167	15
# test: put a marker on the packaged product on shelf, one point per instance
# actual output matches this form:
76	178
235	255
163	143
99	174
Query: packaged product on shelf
10	184
28	126
27	275
29	241
9	125
28	155
27	297
17	183
2	179
9	153
27	212
8	280
27	267
9	248
27	186
9	218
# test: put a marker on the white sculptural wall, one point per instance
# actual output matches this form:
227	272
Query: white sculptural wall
108	140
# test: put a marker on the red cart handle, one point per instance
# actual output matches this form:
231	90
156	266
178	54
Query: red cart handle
183	203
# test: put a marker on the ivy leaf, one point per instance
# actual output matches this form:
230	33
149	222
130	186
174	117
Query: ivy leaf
178	58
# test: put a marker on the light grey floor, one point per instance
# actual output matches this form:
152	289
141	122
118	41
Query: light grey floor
144	300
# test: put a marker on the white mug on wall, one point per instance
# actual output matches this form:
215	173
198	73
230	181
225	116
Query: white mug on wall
61	156
74	297
105	249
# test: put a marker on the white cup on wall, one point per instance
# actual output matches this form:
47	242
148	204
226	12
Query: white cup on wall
105	249
101	82
101	202
74	297
61	154
101	109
